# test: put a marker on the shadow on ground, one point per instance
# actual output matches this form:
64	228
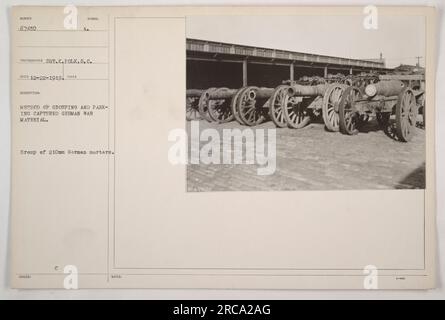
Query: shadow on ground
414	180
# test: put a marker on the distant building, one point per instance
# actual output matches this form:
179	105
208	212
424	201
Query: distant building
409	69
219	64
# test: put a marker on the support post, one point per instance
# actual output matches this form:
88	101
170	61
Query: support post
291	70
326	72
245	73
350	71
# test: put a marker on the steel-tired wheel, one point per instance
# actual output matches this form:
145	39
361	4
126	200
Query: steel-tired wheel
296	113
406	115
349	118
220	110
234	104
192	110
276	106
203	105
249	110
331	99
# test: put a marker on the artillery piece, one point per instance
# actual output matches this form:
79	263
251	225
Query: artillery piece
253	105
416	82
382	99
291	104
281	98
191	101
214	104
250	105
287	107
301	102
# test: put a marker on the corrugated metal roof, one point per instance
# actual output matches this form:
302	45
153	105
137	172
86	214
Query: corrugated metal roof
212	47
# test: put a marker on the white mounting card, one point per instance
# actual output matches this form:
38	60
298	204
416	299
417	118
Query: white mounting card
121	179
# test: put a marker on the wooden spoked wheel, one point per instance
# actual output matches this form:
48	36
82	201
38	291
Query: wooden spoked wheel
276	106
296	113
349	118
249	110
220	110
192	110
203	105
331	99
406	115
234	105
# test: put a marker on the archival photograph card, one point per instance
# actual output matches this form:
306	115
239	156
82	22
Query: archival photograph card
222	147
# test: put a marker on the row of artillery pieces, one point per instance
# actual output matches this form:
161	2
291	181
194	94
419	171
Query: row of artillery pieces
343	106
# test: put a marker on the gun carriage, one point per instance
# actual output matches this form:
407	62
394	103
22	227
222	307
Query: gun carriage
213	104
380	100
302	102
415	82
294	103
291	104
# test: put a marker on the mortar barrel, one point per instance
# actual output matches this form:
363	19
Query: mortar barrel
301	90
262	93
385	88
222	93
193	92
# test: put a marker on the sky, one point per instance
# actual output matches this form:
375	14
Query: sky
399	38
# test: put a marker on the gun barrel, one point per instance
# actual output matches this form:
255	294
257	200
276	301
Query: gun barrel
385	88
261	93
221	93
193	92
301	90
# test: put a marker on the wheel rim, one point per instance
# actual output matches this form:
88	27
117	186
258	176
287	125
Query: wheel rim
235	105
296	114
203	105
192	112
349	118
406	115
248	110
331	100
276	105
220	110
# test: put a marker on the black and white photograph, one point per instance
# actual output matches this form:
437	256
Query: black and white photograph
303	163
318	102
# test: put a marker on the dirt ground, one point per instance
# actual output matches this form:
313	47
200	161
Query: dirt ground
315	159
